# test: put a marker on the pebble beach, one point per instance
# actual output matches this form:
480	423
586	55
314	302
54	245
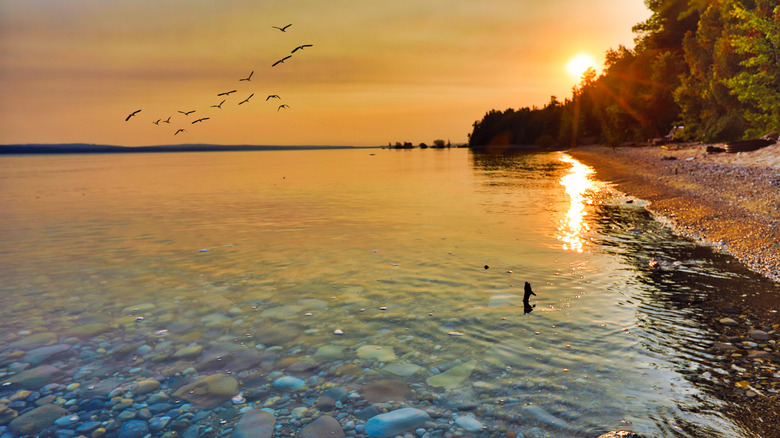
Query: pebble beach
125	389
732	202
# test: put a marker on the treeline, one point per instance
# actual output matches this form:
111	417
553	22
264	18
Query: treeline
437	144
712	66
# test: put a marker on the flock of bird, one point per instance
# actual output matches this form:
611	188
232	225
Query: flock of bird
228	93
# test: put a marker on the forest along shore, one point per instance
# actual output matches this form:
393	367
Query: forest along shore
733	202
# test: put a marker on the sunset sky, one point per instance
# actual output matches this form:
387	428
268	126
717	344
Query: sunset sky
378	72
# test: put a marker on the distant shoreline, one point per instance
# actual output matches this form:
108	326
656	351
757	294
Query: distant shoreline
84	148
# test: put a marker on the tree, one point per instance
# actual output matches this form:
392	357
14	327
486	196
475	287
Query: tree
757	85
708	108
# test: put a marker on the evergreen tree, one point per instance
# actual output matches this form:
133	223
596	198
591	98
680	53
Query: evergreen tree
757	85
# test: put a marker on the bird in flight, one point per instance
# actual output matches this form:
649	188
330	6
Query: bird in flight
283	29
248	78
272	96
180	130
218	106
168	120
186	113
302	47
132	114
282	106
247	99
281	60
226	93
200	120
157	122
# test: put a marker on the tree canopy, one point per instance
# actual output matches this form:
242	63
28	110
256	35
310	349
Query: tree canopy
712	66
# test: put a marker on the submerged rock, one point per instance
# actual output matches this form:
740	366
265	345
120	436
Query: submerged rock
539	414
396	422
453	377
35	378
289	383
7	414
382	391
323	427
469	423
146	386
255	423
376	352
189	352
330	352
759	335
41	354
403	370
133	429
209	391
35	340
37	419
88	330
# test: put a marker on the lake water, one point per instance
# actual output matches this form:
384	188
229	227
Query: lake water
354	268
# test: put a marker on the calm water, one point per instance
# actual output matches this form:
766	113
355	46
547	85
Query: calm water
274	251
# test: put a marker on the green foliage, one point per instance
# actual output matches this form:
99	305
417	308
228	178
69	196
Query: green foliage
514	128
708	108
757	85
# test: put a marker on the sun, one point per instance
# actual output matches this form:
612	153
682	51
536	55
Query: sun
579	63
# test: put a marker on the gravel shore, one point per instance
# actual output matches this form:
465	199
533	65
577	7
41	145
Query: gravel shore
731	201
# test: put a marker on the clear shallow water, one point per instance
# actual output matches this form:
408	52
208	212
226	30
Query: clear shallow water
251	250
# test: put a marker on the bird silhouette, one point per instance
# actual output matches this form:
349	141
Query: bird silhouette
186	113
157	122
180	130
132	114
218	106
227	93
272	96
282	106
200	120
283	29
247	99
301	47
527	307
281	60
248	78
168	120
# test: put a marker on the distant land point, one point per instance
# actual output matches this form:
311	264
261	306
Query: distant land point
85	148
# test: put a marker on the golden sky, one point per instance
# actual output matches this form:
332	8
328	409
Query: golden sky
378	71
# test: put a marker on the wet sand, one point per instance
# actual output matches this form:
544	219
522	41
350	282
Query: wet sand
731	201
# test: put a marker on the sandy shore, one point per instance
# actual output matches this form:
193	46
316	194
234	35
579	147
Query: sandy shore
731	201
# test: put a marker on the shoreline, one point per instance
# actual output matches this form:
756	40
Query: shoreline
731	202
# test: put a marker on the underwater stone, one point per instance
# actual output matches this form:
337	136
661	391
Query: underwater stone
37	419
133	429
453	377
289	383
39	355
209	391
323	427
35	378
146	386
376	352
88	330
396	422
255	423
469	423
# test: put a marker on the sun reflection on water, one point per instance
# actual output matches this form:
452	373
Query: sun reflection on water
580	189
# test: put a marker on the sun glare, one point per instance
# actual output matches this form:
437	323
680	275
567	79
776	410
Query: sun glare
579	63
579	187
